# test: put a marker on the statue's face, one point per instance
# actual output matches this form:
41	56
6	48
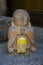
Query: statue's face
20	19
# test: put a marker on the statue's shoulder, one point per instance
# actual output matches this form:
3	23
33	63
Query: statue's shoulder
12	28
29	27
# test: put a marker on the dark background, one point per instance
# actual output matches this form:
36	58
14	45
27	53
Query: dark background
34	7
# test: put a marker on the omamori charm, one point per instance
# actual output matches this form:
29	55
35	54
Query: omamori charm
21	44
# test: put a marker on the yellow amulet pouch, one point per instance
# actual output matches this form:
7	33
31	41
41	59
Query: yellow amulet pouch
21	44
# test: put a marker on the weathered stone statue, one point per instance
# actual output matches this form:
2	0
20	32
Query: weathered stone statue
3	7
20	33
3	30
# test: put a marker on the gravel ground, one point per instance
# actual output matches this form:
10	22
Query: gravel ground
35	58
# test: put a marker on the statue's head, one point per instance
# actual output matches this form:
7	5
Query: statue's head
20	17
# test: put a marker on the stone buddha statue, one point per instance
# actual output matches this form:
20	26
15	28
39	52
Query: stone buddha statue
21	33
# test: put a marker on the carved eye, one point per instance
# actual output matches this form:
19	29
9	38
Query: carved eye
25	20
